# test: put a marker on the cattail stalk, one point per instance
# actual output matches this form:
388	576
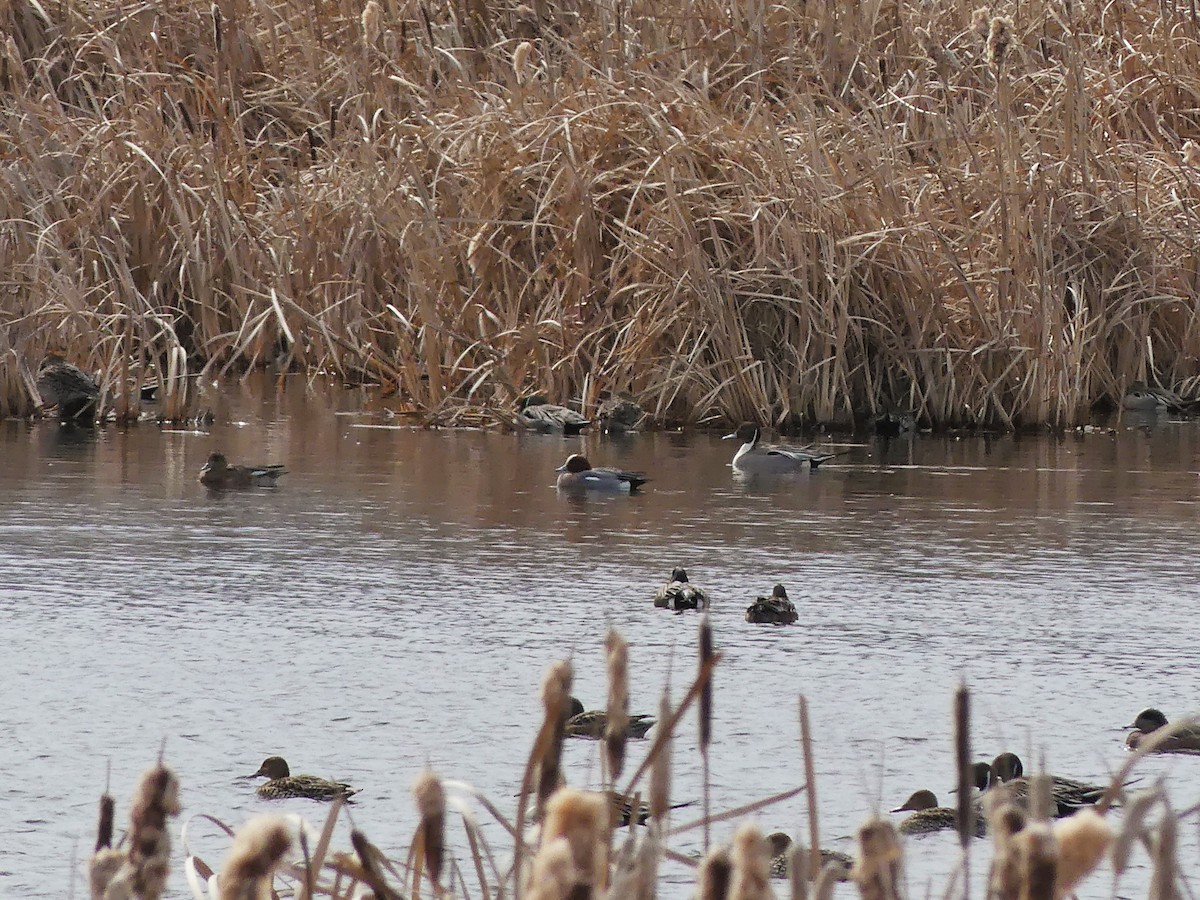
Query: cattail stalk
810	782
660	770
965	816
706	655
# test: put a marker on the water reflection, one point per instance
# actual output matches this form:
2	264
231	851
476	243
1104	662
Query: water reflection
396	599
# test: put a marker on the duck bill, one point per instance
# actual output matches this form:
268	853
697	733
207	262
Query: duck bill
729	436
899	809
205	469
561	468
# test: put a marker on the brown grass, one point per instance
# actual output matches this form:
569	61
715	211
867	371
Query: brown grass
793	212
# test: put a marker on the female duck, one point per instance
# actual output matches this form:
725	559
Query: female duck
591	723
928	817
774	610
754	458
577	474
284	784
68	387
1183	738
538	415
680	594
781	845
217	473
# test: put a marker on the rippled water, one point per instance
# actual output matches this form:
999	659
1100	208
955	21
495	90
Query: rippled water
395	602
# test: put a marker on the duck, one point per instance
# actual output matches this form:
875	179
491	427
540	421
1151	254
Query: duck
1067	794
537	414
754	458
928	817
282	784
774	610
577	474
1142	398
781	845
1183	739
217	473
894	422
591	723
620	414
68	387
679	593
623	809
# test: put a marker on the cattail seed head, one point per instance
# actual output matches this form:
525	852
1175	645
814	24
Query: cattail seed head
1038	852
616	729
102	875
553	874
257	849
1083	839
431	804
156	798
582	819
372	23
521	62
751	857
716	873
706	655
1191	153
877	869
556	707
981	21
999	38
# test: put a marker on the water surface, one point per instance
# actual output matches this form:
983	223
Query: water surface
395	601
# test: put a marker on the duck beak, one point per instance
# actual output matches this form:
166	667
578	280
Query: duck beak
205	468
899	809
561	468
728	436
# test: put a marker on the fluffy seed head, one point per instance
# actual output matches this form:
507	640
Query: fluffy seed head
616	729
751	857
1083	839
257	849
999	37
372	23
581	818
156	798
431	804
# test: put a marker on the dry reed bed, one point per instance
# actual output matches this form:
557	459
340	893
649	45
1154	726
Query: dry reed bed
566	843
789	211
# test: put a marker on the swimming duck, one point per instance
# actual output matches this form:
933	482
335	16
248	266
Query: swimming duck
68	387
928	817
284	784
781	845
774	610
680	594
577	474
893	423
591	723
1142	398
622	809
1148	721
1067	794
217	473
754	458
538	415
620	414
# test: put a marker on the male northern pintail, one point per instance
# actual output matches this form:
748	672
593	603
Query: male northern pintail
623	811
679	593
781	846
577	474
774	610
217	473
591	723
283	784
1143	398
755	458
538	415
1185	738
928	817
68	387
1066	794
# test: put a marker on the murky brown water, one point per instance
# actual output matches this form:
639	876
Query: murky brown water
396	600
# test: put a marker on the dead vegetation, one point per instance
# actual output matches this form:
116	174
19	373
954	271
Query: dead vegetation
786	212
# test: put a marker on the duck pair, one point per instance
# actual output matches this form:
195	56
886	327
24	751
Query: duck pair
1150	723
1004	774
281	784
679	593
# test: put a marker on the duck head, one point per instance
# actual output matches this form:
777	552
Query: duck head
747	433
779	842
778	592
216	463
575	463
679	574
1149	720
273	767
1008	766
918	801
